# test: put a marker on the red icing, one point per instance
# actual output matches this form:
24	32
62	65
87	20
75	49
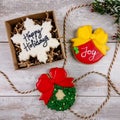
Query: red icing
88	53
46	82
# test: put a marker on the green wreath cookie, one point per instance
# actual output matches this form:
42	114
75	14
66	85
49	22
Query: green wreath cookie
62	98
58	91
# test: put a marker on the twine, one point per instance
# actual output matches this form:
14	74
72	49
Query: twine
13	86
110	84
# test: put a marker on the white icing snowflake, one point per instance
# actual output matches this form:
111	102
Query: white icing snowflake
35	40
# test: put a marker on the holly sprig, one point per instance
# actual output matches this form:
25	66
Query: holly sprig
76	50
111	7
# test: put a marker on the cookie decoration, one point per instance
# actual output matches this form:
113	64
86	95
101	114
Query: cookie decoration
58	91
89	47
34	40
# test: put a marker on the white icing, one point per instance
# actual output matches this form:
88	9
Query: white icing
37	34
86	52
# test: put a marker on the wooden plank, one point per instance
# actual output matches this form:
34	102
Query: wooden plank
91	90
25	79
77	18
30	108
21	8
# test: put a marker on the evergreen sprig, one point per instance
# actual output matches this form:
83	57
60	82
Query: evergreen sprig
111	7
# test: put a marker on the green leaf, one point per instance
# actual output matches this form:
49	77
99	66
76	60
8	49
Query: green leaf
111	7
76	50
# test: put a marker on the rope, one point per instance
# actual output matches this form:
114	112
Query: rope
104	102
110	84
111	67
13	86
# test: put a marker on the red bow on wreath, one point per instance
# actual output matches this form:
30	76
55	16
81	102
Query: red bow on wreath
46	82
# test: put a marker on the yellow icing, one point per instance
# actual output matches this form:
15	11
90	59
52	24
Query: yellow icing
60	95
99	37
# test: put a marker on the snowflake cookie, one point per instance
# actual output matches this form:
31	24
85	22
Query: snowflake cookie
35	40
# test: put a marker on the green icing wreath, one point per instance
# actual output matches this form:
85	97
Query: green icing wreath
66	102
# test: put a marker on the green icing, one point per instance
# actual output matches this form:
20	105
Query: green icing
66	102
76	50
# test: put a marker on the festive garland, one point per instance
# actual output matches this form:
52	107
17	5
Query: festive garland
111	7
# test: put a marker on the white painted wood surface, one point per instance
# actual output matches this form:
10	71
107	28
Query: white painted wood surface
91	90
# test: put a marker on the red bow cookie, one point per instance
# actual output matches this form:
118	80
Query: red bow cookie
46	82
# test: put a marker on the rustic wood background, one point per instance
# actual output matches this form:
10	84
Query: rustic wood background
91	90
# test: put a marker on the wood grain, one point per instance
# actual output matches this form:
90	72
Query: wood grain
30	108
25	79
91	90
